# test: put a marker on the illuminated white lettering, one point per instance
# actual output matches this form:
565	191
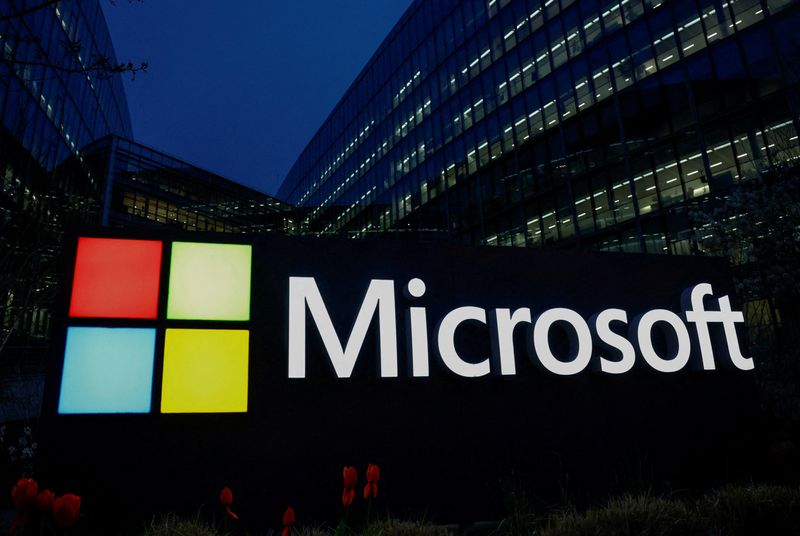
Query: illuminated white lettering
446	340
303	292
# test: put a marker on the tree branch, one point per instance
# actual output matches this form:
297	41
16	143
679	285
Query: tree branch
26	11
101	66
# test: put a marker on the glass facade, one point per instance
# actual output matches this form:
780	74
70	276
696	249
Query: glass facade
66	160
52	104
145	188
587	124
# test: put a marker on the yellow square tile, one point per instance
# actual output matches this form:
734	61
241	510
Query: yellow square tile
205	371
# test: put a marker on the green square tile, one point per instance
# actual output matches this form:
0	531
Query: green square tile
209	282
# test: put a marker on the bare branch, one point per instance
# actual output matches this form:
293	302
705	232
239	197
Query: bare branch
28	10
100	66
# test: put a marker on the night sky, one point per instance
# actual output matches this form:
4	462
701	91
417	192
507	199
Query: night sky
239	88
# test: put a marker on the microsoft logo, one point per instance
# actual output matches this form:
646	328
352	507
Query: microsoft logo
128	332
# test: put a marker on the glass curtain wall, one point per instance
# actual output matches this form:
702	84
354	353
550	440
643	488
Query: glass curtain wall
51	106
588	123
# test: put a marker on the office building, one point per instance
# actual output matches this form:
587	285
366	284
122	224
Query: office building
144	187
54	100
589	124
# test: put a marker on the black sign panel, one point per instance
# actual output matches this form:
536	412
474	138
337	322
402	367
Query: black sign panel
501	392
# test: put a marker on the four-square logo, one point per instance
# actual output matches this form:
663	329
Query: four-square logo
122	331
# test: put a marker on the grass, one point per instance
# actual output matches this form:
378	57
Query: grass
628	516
739	511
730	511
172	525
396	527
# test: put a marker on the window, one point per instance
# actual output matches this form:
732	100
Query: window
621	63
566	225
747	147
691	164
668	176
601	77
573	33
612	16
664	44
644	184
761	62
746	12
591	22
622	197
558	44
583	208
602	201
566	97
690	28
643	64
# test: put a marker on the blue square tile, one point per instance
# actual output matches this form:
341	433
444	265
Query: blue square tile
107	370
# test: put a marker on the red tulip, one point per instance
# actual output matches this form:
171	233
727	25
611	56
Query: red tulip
288	517
44	501
348	496
66	510
350	479
350	476
373	475
226	499
226	496
288	521
24	492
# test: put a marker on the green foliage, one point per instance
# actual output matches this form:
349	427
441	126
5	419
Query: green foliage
737	510
628	516
18	448
757	225
172	525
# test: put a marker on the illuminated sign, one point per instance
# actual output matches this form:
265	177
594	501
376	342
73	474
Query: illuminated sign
204	338
199	356
111	340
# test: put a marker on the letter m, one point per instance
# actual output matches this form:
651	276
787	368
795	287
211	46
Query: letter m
303	292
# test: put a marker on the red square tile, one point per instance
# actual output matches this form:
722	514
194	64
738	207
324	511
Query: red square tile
116	278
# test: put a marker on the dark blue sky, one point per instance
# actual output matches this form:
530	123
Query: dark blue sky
240	87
